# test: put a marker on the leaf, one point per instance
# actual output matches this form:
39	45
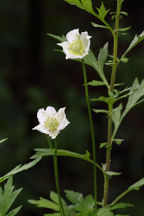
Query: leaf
7	197
61	39
135	94
14	211
111	173
100	111
102	12
96	83
60	152
116	114
45	203
103	54
121	206
137	39
87	5
118	141
137	185
20	168
98	26
104	212
103	145
73	197
124	29
75	2
3	140
91	60
108	100
54	197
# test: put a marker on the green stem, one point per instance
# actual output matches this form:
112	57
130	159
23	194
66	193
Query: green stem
119	197
56	179
92	131
110	108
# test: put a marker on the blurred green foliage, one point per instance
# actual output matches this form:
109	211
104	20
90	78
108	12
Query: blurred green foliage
33	75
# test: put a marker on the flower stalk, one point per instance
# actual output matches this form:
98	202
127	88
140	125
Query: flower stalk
92	131
56	179
110	108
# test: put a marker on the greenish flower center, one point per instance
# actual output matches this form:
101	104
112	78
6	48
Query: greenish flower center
51	124
76	48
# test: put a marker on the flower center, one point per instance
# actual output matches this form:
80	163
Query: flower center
76	48
51	124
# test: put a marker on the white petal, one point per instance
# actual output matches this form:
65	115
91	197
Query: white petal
61	114
64	45
51	112
53	135
41	128
85	38
41	115
73	35
63	124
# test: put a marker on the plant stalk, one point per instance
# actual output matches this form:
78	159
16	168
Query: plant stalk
110	108
92	131
56	179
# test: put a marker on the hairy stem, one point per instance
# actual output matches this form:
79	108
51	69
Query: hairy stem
110	108
56	179
92	132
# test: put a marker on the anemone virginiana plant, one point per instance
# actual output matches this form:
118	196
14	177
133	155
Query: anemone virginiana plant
76	46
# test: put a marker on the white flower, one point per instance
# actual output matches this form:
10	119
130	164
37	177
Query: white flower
77	45
51	122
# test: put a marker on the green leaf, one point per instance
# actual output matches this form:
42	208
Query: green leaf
45	203
118	141
61	39
103	54
98	26
75	2
102	12
81	204
100	111
87	5
108	100
124	29
111	173
103	145
91	60
14	211
137	39
53	214
116	115
137	185
96	83
121	206
136	93
54	197
73	197
7	197
61	152
104	212
20	168
3	140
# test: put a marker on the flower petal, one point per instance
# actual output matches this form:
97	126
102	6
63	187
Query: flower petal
41	128
41	115
73	35
85	38
63	124
51	112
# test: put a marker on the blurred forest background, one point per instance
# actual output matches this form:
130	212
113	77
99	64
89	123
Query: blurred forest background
33	75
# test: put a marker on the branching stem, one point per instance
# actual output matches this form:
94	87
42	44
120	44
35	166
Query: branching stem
110	108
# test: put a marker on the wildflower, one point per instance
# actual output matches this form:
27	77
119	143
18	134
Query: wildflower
51	122
77	45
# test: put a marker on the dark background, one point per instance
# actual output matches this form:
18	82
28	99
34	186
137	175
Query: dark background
33	75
